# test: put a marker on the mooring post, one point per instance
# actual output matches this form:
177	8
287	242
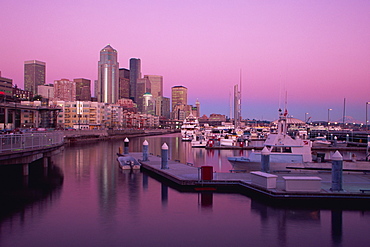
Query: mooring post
367	148
126	144
265	160
145	150
336	172
335	141
164	156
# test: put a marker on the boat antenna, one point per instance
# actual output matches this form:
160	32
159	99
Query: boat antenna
344	112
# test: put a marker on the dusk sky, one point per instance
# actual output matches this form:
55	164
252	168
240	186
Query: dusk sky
316	51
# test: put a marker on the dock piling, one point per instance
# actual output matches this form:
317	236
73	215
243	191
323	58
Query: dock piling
145	150
337	172
164	164
126	144
265	160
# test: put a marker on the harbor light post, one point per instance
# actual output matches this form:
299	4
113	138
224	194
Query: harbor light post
366	121
329	117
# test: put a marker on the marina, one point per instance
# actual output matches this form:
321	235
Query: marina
355	187
84	192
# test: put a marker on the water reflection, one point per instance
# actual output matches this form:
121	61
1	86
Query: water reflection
101	205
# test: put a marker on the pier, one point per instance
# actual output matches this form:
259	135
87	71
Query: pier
355	192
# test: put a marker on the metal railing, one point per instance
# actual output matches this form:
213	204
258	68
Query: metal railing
19	142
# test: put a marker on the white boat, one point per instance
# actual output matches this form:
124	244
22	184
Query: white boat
283	149
127	162
320	141
200	141
189	128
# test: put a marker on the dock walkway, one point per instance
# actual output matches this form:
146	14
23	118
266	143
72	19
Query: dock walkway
356	185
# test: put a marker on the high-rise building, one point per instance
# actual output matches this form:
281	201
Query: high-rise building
124	83
142	87
197	106
156	85
108	76
237	107
83	89
179	96
135	74
34	75
64	89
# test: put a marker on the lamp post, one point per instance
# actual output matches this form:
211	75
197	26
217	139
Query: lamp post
305	117
366	127
329	117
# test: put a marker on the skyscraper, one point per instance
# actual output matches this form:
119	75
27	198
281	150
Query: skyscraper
34	75
237	106
156	85
179	96
124	83
108	76
135	74
83	89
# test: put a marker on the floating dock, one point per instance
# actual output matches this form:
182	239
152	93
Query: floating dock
355	188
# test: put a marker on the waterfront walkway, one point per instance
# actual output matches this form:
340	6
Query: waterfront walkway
189	177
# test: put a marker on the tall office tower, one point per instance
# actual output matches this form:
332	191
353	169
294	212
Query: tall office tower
156	85
135	74
34	75
163	107
179	96
237	107
108	76
124	83
65	90
148	105
83	89
142	87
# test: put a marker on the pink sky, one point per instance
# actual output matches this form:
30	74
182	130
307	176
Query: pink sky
317	51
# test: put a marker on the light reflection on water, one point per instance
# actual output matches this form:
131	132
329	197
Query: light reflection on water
100	205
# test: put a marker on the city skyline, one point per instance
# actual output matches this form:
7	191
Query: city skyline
317	52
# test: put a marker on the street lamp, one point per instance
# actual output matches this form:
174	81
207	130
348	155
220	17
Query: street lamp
328	116
305	117
367	128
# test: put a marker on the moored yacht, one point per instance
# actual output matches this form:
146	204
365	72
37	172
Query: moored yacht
189	128
282	148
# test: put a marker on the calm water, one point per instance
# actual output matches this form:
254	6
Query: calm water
83	199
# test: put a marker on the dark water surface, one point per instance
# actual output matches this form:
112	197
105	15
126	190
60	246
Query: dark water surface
83	199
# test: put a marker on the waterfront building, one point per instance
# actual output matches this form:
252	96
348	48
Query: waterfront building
83	89
127	105
65	90
6	85
34	75
46	91
108	76
135	74
20	94
124	83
